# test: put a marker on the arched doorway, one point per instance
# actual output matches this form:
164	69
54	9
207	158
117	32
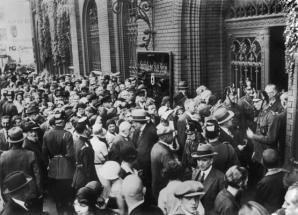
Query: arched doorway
92	37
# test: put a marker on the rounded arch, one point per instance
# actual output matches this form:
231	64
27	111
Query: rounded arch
91	38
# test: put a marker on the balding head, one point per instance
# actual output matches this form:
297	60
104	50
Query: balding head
270	158
133	189
125	128
271	90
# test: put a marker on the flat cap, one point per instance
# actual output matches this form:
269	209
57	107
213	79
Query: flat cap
189	188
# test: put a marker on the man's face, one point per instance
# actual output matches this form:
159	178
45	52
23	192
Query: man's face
5	123
204	163
112	128
152	110
258	105
9	98
81	111
137	125
270	91
32	135
290	204
190	204
191	108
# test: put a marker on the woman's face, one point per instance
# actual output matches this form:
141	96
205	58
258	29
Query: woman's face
19	97
80	209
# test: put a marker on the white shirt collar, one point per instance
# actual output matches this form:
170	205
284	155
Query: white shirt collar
274	171
21	203
206	172
127	168
134	206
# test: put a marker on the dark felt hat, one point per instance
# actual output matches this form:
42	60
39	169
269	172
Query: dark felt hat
203	151
15	181
15	135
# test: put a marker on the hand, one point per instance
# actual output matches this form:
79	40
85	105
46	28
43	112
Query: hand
249	133
241	147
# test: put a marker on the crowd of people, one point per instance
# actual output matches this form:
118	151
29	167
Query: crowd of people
96	145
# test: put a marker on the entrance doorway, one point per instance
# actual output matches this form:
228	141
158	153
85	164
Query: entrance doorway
277	74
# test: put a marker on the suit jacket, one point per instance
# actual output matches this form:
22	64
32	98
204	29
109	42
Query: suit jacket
145	209
144	144
181	129
4	145
160	156
18	159
270	191
119	143
213	184
226	204
12	208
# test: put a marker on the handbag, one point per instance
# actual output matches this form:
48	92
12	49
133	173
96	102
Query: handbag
60	167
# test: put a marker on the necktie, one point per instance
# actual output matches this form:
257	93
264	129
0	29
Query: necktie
202	177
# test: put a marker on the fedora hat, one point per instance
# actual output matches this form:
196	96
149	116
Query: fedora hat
32	109
15	181
139	115
189	188
110	170
223	115
15	135
203	151
182	85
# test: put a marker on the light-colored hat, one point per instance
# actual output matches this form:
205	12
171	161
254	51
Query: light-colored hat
189	189
223	115
203	151
162	129
139	115
162	110
110	170
167	114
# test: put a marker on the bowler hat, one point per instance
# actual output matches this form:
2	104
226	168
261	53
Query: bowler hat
32	109
15	181
204	151
15	135
189	188
139	115
223	115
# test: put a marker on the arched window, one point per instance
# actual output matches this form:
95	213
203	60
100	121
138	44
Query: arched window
92	33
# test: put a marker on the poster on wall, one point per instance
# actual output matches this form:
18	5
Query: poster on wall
155	72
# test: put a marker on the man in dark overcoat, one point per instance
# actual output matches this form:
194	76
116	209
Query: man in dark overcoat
19	159
144	138
58	150
211	178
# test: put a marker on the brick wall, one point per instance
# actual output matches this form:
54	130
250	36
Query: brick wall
167	24
194	31
291	148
